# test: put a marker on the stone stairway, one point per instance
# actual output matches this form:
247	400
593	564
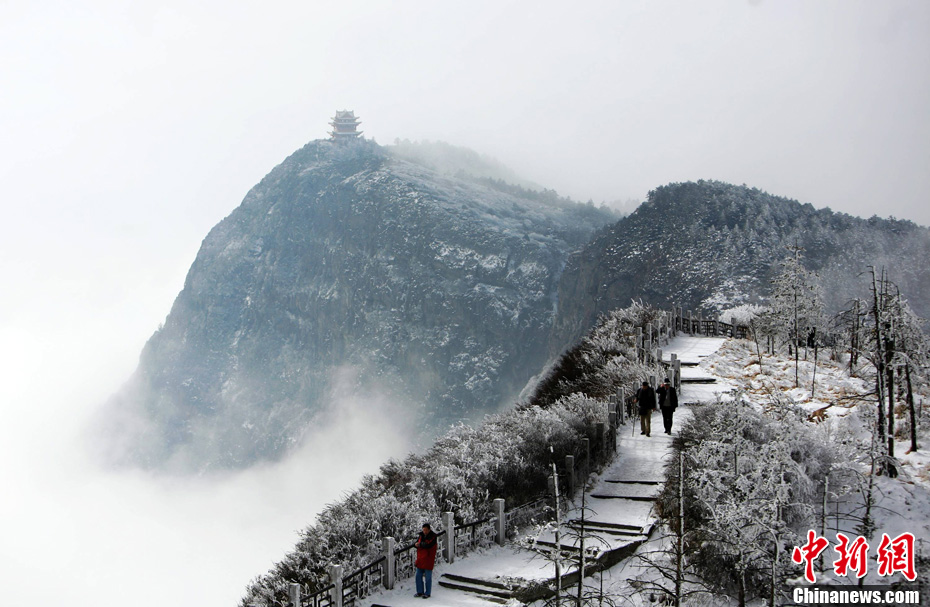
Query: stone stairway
489	590
619	513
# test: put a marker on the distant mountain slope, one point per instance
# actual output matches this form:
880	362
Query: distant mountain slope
708	245
437	290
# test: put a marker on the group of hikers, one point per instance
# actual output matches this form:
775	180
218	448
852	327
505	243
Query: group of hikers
647	399
665	396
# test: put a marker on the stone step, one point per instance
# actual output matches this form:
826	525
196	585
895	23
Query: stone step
698	380
618	527
565	547
486	588
632	498
477	581
496	596
634	482
601	529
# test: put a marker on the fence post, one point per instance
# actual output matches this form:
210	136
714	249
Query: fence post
390	565
678	375
500	527
612	439
335	578
717	325
621	396
733	325
570	473
690	323
601	438
448	523
639	343
293	593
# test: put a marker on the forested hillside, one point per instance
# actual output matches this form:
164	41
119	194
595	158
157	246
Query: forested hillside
709	245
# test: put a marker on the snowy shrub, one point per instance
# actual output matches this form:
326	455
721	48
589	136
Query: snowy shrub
751	483
743	315
602	361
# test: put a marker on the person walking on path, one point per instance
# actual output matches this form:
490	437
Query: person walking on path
668	402
426	558
646	399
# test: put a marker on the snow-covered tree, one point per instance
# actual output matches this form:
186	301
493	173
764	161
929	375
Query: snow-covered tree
798	304
751	483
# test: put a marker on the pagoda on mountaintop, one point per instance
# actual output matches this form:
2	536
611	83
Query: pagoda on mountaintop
345	126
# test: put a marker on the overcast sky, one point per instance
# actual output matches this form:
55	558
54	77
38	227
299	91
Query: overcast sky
128	129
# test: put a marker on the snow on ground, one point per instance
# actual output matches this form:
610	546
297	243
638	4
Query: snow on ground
834	392
903	504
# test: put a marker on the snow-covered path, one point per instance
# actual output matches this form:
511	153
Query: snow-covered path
619	500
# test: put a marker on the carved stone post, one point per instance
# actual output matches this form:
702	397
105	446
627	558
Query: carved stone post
448	523
335	578
388	546
293	594
500	527
612	435
621	405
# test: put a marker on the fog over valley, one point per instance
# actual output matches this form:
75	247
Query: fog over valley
161	175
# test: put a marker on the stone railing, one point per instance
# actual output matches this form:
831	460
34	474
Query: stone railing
397	563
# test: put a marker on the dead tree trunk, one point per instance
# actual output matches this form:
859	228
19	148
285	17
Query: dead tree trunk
910	405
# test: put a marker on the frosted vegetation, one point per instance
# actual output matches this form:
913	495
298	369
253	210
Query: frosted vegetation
507	456
806	441
811	439
710	246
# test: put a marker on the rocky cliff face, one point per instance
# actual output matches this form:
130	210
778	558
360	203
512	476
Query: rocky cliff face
438	290
709	245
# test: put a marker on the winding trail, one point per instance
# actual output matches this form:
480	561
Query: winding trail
619	505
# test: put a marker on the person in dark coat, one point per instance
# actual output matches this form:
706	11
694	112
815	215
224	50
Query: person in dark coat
426	558
668	402
646	399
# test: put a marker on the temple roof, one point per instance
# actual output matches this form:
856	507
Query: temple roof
344	125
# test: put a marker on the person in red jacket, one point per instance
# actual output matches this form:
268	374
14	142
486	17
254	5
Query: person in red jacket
426	558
